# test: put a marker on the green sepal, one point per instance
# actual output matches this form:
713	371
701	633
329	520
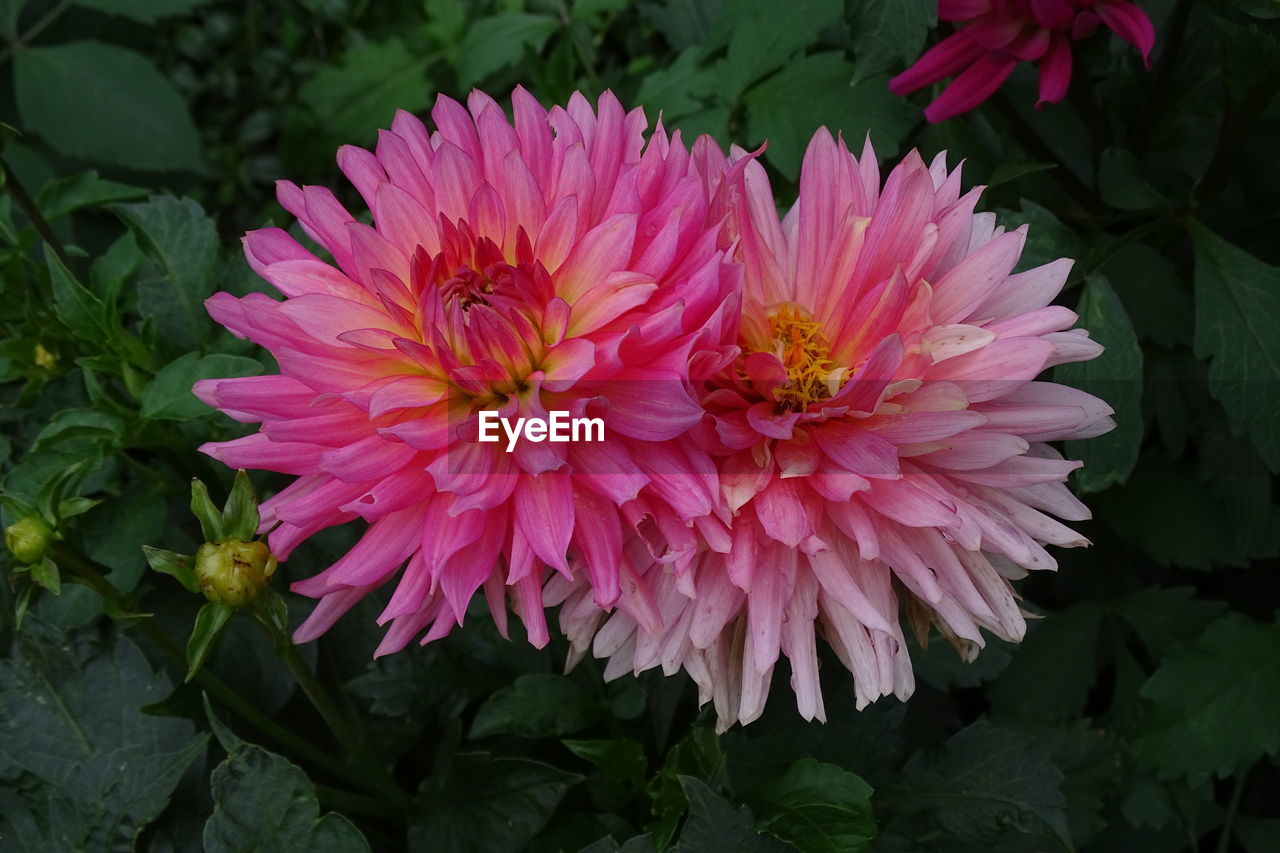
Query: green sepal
20	606
180	566
45	573
209	622
210	519
65	482
270	609
72	507
240	514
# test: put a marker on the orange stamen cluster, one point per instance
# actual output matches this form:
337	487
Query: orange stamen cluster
799	344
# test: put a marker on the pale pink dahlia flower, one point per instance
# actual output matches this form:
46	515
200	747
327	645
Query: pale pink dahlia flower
883	440
995	35
555	264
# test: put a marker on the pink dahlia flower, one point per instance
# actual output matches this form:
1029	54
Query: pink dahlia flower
882	438
995	35
557	263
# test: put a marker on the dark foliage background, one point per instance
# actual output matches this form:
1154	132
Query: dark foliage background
1141	713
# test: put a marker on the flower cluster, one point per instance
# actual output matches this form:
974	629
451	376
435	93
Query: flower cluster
810	423
993	36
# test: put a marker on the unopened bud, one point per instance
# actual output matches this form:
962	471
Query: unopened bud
234	572
29	538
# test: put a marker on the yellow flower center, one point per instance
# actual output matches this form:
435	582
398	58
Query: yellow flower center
799	344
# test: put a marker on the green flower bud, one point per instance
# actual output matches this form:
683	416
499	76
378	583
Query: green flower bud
234	572
29	538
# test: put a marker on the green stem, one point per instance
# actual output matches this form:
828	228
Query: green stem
36	28
346	801
1125	239
216	687
357	748
29	209
588	68
1233	806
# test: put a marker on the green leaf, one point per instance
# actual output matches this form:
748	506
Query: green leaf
114	795
180	566
69	721
764	41
499	41
138	117
1162	616
704	24
168	397
82	312
240	512
1116	377
817	808
622	760
183	241
714	824
204	633
1259	835
1157	299
1166	511
146	11
815	91
10	11
1258	8
1213	702
264	803
113	534
678	89
1238	330
1053	668
1122	184
363	89
207	514
493	804
888	36
984	782
536	706
65	196
1048	238
79	426
1008	172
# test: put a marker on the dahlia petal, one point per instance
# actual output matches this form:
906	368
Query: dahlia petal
857	450
1055	71
1130	23
258	451
545	515
1053	14
650	406
966	286
268	246
916	427
837	580
363	170
783	515
599	538
945	58
970	88
328	611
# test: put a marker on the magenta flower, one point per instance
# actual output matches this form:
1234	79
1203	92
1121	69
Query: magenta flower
557	264
995	35
882	439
